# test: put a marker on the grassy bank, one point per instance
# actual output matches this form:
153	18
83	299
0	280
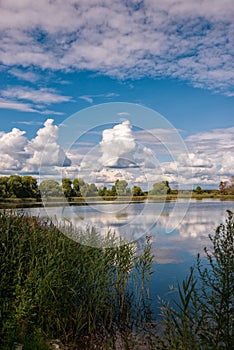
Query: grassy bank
153	198
89	298
52	287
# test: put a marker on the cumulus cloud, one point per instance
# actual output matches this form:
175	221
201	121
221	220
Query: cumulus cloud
210	159
44	149
118	146
215	148
190	40
18	154
120	154
12	150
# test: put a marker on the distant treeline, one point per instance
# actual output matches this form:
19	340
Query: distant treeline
79	188
16	186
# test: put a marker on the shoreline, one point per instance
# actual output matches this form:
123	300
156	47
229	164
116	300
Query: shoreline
11	203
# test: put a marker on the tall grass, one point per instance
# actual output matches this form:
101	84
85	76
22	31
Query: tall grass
203	318
53	287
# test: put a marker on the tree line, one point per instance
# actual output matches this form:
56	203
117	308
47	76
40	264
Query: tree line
15	186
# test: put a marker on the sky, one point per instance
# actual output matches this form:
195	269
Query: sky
140	90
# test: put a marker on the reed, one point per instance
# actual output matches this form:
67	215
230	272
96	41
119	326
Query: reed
53	287
203	318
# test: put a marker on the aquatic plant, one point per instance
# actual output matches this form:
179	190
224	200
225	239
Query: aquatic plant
203	318
55	287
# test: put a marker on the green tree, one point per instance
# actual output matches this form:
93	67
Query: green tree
102	191
121	187
113	191
15	187
198	190
84	189
105	192
223	186
67	187
161	188
77	185
4	187
92	190
137	191
50	188
30	187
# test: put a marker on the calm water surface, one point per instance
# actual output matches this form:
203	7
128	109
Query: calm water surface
176	238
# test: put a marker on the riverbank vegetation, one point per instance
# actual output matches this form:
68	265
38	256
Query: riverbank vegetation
98	298
26	188
52	287
203	318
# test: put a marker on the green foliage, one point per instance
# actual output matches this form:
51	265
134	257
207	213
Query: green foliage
161	188
204	316
16	186
92	190
77	184
198	190
53	286
121	187
137	191
104	192
50	188
67	187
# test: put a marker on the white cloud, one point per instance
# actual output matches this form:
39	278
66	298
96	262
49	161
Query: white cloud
217	148
18	154
90	98
32	122
24	107
118	146
24	75
123	113
44	149
210	158
190	40
12	150
43	95
27	99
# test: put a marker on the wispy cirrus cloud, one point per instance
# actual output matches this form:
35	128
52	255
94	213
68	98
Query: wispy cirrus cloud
189	40
44	95
25	75
90	98
24	107
27	99
31	122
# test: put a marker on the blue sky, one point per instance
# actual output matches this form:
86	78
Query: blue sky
175	57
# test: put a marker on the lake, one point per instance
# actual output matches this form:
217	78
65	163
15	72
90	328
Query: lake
179	231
